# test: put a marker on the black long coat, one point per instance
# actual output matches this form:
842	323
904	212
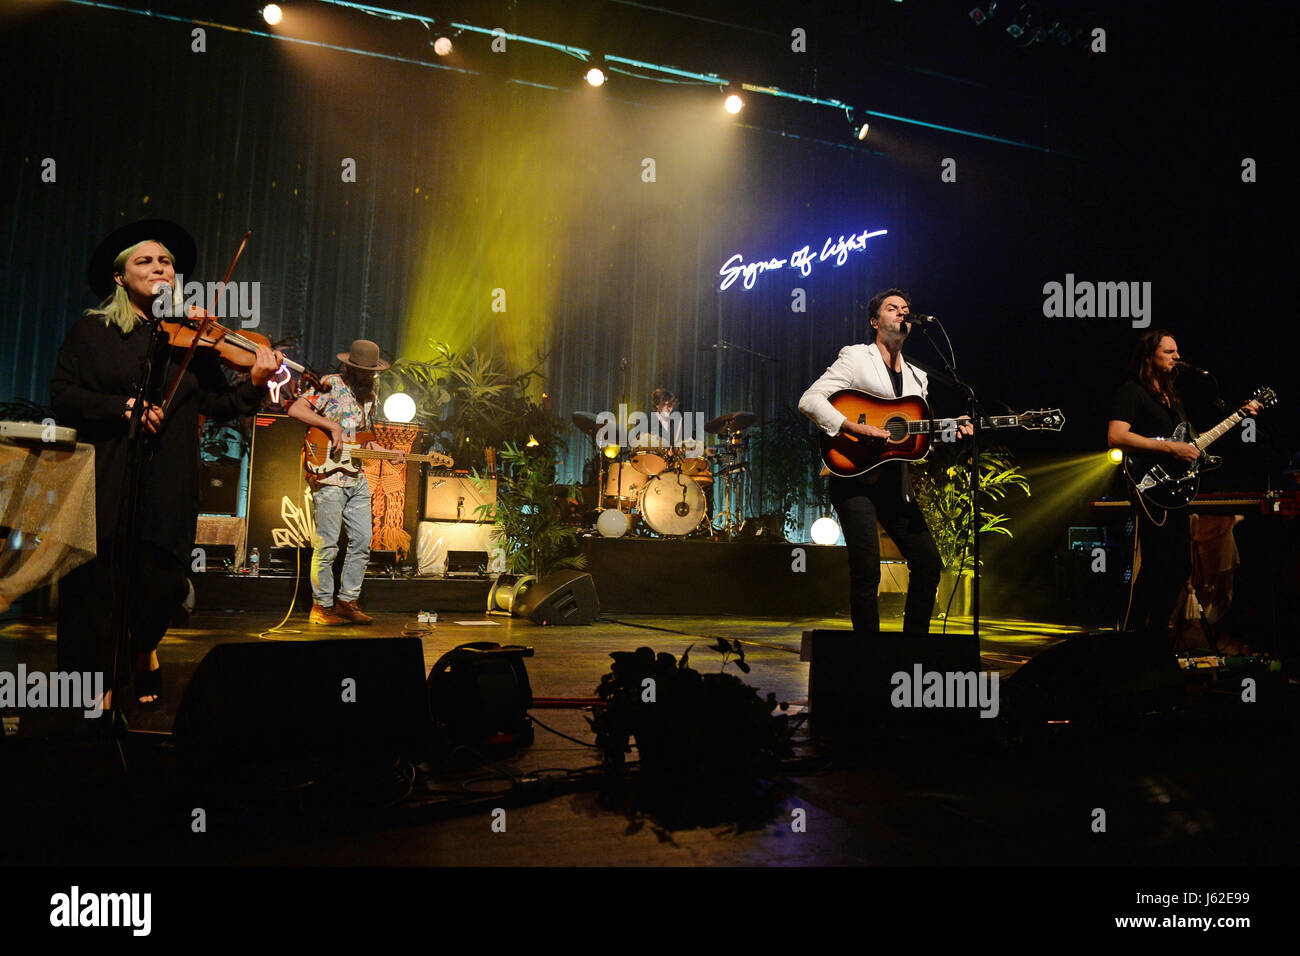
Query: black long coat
97	371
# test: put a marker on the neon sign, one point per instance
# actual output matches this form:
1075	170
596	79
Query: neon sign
802	259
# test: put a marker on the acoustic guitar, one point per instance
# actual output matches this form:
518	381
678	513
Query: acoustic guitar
321	461
910	427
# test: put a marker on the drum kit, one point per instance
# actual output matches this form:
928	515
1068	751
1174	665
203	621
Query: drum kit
667	489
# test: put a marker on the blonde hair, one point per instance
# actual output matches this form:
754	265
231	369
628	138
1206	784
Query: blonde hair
117	309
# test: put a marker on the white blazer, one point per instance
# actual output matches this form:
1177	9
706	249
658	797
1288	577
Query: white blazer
863	368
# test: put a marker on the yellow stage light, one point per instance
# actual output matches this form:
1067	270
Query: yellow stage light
733	103
272	14
442	46
1116	455
532	442
611	451
596	77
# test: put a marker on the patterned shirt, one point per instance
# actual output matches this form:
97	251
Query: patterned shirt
340	404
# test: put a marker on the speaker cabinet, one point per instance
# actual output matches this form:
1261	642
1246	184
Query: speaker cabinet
1093	677
270	704
564	597
871	683
279	508
219	487
452	497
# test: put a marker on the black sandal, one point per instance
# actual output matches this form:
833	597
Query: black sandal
148	684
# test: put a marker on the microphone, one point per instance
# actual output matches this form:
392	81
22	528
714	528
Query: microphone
1185	367
919	319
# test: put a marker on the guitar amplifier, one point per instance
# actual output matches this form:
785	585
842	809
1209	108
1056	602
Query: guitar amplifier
452	496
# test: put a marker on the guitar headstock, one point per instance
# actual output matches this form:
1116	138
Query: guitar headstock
440	460
1049	419
1266	397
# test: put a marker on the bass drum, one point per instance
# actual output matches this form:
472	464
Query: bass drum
672	505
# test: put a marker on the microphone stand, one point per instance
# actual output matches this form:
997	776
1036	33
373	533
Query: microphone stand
763	359
950	362
125	536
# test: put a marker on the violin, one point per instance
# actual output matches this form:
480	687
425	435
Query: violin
237	349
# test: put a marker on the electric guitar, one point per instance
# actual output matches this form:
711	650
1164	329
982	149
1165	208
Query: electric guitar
1165	482
910	427
321	461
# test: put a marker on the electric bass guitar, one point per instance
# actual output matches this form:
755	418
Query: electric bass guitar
1164	482
910	427
320	460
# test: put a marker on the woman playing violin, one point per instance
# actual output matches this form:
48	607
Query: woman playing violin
95	379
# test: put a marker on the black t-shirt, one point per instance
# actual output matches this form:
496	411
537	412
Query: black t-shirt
897	379
1146	415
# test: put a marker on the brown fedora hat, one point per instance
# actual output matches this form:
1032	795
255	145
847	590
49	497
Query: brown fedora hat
364	355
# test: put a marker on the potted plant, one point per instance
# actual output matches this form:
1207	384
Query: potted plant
702	739
527	512
943	489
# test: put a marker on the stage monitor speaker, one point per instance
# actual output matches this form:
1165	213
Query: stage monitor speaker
453	497
270	704
853	687
1096	676
564	597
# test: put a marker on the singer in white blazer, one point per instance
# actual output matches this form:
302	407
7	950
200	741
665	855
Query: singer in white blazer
885	493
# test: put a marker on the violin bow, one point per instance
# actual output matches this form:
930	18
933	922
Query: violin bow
203	326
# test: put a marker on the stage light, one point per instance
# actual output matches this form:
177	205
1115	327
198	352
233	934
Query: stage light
506	590
399	407
272	14
733	103
978	16
532	442
611	451
442	46
596	77
825	531
1116	456
862	133
612	523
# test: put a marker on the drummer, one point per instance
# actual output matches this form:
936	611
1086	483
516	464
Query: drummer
662	423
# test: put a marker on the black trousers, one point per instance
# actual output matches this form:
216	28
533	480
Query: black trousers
1166	566
86	632
860	503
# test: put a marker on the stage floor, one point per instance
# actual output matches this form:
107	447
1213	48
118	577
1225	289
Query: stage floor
1178	790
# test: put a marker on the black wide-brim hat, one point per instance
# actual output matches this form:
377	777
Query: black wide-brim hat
178	242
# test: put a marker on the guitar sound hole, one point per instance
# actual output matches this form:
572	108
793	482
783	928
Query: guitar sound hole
897	429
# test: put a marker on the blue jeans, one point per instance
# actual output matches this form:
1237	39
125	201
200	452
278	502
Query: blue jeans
337	508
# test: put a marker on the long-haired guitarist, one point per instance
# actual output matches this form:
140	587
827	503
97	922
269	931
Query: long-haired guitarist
343	406
885	493
1146	407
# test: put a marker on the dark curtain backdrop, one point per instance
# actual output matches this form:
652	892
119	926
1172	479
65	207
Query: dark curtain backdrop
470	183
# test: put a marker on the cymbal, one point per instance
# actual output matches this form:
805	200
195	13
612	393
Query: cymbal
586	423
731	422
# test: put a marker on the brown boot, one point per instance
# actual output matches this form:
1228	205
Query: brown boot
328	616
352	613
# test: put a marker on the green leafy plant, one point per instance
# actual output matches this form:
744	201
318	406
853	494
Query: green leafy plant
693	731
791	456
943	489
469	401
527	513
